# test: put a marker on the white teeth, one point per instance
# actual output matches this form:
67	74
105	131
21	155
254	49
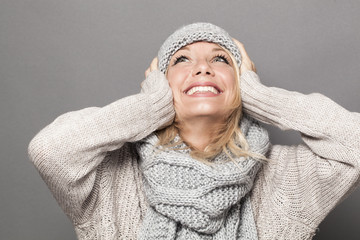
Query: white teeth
202	89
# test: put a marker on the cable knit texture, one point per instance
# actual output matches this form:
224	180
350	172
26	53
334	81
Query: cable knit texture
192	33
88	160
195	198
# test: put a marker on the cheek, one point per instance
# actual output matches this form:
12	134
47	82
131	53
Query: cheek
176	89
228	79
176	81
231	85
171	77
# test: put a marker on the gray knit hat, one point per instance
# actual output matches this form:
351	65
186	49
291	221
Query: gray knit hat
193	33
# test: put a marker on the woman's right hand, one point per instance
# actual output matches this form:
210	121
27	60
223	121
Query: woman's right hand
155	83
157	86
153	66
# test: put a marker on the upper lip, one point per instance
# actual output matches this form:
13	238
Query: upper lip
196	84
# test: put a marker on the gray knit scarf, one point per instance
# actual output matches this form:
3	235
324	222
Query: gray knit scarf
192	200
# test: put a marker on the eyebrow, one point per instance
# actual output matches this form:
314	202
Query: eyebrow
185	48
217	49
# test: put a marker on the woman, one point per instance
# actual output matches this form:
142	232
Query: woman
180	161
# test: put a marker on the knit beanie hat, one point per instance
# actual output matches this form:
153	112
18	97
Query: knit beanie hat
193	33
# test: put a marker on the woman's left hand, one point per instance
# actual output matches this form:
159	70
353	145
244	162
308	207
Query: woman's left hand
246	63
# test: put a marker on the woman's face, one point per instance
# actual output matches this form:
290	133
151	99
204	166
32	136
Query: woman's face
202	78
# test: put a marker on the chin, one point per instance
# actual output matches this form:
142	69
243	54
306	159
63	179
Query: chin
202	110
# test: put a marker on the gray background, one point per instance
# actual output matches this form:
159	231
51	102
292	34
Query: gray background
57	56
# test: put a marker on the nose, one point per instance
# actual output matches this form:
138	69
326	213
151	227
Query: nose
202	68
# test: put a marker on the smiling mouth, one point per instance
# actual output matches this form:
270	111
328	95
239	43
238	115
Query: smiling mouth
202	89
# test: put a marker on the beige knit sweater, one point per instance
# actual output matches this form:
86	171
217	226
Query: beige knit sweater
88	160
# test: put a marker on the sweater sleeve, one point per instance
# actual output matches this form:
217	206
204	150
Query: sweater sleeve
305	182
68	152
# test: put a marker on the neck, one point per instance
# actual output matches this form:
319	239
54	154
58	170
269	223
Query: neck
199	132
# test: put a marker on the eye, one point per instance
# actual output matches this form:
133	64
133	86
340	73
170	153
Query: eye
221	58
180	59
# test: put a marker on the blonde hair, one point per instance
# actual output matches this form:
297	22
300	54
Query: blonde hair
228	138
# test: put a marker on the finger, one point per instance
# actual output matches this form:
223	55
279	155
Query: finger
253	67
147	72
241	49
154	64
237	42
